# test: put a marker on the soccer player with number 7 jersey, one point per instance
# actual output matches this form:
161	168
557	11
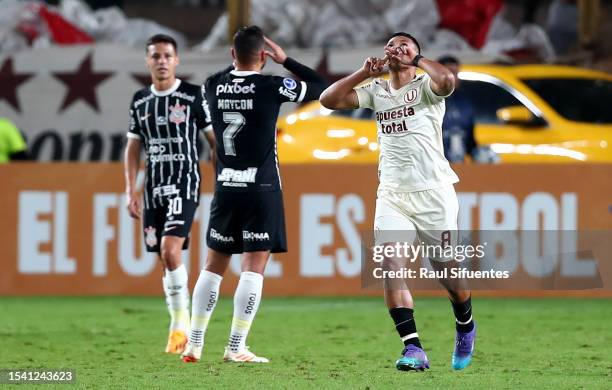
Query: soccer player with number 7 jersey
247	209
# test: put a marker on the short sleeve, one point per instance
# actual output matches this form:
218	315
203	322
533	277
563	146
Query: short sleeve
134	129
202	117
429	93
365	95
289	90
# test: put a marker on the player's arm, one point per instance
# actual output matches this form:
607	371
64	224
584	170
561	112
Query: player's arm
342	95
212	142
314	83
204	120
131	163
442	79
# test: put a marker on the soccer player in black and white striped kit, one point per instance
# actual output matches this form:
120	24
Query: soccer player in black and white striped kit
165	119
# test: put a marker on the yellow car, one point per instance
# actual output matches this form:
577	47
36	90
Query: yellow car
526	113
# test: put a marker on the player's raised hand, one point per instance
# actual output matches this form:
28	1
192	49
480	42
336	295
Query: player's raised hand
374	66
403	54
275	52
133	205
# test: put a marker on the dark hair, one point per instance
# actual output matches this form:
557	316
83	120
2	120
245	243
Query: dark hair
406	35
449	60
161	38
248	41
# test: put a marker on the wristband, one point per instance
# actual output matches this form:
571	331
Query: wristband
416	59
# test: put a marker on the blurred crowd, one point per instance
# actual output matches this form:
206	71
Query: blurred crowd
447	25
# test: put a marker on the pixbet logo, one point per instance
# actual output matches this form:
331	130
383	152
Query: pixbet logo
235	88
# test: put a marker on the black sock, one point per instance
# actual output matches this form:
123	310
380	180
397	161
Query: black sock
463	315
405	325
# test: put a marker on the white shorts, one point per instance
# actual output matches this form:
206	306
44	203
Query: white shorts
431	215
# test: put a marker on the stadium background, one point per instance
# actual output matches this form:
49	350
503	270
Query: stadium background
66	83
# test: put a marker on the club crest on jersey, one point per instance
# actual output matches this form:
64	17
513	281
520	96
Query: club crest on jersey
150	237
177	114
290	84
410	96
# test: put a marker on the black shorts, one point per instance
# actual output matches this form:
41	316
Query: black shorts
247	222
173	218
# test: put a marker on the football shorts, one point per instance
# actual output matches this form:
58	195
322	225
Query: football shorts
247	222
429	215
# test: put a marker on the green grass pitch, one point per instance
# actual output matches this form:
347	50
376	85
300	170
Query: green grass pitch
321	343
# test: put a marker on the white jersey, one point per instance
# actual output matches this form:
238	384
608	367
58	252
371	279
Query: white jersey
409	123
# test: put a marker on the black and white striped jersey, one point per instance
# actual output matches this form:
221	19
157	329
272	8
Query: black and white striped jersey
167	123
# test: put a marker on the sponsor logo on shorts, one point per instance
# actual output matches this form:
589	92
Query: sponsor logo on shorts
235	88
290	84
253	236
288	93
215	235
150	237
237	178
166	190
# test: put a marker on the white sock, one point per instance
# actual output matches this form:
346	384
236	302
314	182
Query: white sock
246	303
205	297
178	298
166	293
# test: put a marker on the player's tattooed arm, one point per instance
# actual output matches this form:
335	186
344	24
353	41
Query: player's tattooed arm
341	94
131	163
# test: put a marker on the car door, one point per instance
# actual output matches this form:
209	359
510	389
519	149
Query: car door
511	141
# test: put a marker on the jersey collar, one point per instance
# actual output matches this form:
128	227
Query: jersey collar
397	91
243	73
167	91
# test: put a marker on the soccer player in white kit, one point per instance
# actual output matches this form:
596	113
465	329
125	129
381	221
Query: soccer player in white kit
416	193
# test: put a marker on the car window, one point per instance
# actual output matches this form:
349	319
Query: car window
576	99
486	99
360	113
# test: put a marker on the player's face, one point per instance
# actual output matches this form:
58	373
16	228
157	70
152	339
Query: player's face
394	46
162	61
